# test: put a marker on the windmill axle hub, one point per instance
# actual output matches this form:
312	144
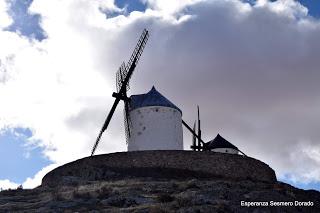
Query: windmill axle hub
120	96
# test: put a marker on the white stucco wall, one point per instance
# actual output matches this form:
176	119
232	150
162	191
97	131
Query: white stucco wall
226	150
155	128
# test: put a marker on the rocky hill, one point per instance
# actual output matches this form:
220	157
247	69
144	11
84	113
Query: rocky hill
162	181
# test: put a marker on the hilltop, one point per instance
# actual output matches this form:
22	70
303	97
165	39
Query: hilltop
161	181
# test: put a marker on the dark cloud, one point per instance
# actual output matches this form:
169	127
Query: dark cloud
254	72
255	75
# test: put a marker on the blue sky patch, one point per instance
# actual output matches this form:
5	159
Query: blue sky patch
313	7
306	186
17	160
25	23
131	5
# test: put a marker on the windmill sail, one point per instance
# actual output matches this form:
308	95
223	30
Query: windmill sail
123	76
125	71
194	139
199	130
127	121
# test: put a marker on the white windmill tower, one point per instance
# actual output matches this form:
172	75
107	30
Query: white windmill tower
152	122
155	123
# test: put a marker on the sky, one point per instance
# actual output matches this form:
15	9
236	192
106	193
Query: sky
252	66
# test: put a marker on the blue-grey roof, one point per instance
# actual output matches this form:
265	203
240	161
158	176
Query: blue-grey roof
152	98
220	142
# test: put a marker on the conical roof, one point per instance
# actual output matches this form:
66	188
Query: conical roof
220	142
152	98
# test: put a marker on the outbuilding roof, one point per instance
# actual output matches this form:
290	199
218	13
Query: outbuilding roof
152	98
220	142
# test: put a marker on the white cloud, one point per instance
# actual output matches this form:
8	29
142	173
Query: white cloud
172	8
30	182
290	8
36	180
58	78
7	184
61	87
5	19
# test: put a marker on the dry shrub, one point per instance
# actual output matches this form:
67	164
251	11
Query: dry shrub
56	195
80	195
165	198
104	192
183	201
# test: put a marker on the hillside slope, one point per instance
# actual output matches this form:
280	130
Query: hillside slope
162	181
150	195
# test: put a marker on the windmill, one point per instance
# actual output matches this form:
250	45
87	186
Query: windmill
200	146
214	145
122	83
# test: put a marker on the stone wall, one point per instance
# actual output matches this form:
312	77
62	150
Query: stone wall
161	164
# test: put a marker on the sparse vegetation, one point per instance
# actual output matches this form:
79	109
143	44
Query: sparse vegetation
183	201
164	198
191	184
104	192
147	195
20	187
56	195
80	195
7	192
